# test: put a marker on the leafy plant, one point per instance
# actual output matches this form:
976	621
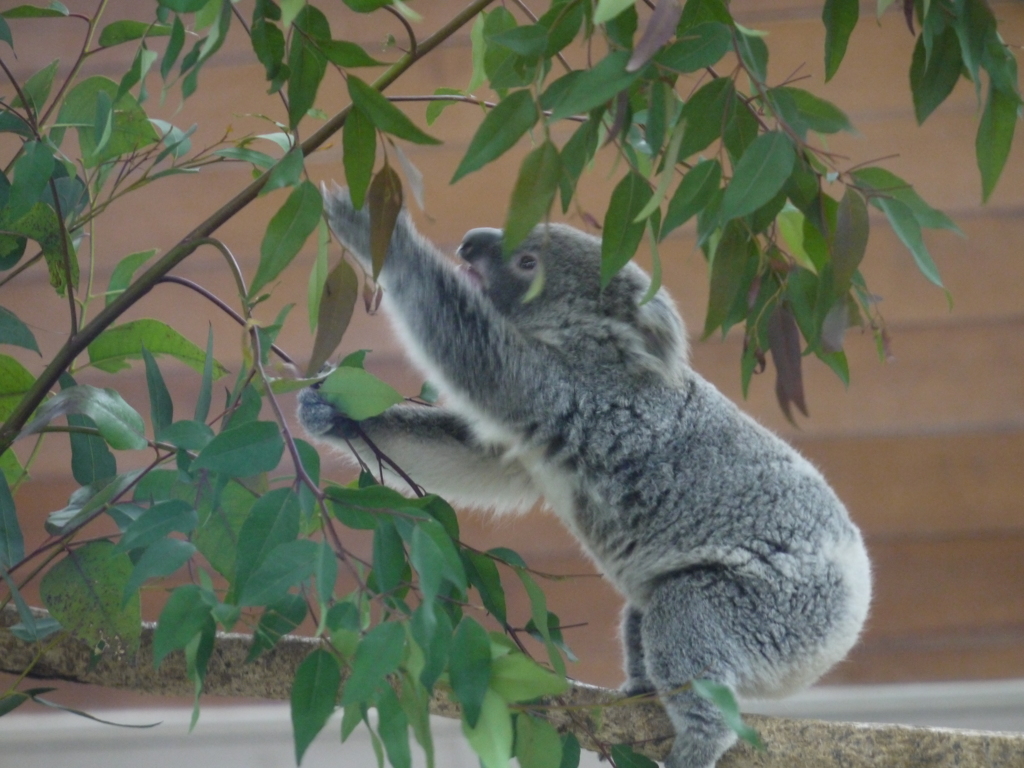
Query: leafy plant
682	95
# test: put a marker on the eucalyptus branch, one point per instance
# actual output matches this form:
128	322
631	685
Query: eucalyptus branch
66	355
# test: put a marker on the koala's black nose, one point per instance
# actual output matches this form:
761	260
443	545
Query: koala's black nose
478	242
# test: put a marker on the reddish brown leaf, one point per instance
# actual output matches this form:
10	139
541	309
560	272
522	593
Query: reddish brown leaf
908	14
621	112
784	342
336	305
659	30
385	201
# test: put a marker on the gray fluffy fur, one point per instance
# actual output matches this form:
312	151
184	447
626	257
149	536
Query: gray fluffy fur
737	561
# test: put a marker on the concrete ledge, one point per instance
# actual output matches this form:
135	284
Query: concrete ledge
790	743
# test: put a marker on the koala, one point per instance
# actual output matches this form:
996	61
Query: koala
736	560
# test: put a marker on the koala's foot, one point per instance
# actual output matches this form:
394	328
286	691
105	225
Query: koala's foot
319	417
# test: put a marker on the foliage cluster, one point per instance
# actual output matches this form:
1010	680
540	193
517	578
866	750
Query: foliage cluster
680	91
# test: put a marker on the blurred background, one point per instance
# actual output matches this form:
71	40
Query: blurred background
926	449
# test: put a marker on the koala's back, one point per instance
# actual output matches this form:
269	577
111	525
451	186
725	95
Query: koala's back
659	478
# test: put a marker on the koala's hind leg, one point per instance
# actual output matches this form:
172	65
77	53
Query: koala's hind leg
690	630
633	648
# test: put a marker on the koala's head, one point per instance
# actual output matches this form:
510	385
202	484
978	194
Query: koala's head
550	287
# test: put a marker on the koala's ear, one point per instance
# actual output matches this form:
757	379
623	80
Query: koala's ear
662	330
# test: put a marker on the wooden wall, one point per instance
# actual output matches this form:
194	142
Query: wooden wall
927	450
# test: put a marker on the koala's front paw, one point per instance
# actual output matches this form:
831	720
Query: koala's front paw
320	418
350	225
636	687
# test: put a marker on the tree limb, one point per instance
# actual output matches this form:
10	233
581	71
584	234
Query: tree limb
596	715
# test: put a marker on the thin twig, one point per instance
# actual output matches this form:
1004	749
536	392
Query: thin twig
223	306
408	27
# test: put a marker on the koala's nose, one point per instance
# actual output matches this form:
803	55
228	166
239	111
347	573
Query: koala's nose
478	242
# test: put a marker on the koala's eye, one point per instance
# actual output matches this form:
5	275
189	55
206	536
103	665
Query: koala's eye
527	262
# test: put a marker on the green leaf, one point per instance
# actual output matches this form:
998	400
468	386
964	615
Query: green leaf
190	435
539	613
907	228
287	233
32	12
285	566
388	555
162	558
31	177
286	172
307	66
184	6
12	543
118	423
111	348
378	655
5	35
516	677
185	615
500	130
814	113
570	751
261	160
359	152
42	225
358	393
850	242
121	277
469	668
582	90
37	87
87	501
538	744
83	592
273	520
15	332
130	130
174	46
243	451
625	757
693	193
532	195
491	738
932	78
314	693
222	509
346	54
839	17
699	47
622	234
393	727
122	31
995	136
161	407
483	574
529	41
706	114
889	185
727	271
609	9
722	697
759	175
277	620
158	521
15	381
383	114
